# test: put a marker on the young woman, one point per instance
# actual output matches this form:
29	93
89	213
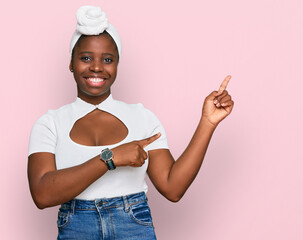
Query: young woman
92	156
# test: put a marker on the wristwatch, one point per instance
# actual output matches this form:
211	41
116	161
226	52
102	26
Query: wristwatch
107	156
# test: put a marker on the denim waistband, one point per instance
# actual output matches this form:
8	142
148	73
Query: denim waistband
123	201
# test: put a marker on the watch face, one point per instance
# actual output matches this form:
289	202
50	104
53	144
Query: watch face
106	155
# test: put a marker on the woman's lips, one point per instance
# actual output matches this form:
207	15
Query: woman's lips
95	82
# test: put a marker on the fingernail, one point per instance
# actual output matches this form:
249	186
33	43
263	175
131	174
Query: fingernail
218	105
216	101
223	104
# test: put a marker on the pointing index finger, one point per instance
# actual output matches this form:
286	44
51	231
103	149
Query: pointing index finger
144	142
224	84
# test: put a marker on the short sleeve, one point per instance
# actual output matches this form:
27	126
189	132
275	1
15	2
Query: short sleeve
43	136
154	126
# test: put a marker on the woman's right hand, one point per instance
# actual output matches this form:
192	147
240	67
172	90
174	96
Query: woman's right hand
132	153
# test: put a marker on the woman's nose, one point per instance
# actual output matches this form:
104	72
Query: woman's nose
96	67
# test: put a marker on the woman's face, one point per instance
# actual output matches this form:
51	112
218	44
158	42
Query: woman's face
94	64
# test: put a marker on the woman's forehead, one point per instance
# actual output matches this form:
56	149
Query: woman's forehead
99	43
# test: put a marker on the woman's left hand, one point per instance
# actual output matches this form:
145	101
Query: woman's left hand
218	105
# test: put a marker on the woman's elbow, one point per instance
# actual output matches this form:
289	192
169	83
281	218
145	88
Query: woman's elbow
173	197
174	200
40	200
40	205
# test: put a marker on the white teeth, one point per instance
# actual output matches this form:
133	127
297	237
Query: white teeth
95	79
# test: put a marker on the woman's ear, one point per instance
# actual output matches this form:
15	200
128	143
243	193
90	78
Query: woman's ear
71	66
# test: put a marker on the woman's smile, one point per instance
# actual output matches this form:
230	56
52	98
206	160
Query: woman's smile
95	81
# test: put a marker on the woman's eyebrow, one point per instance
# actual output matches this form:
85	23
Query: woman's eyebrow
108	54
86	52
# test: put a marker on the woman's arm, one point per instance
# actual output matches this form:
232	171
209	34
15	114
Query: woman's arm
50	187
172	178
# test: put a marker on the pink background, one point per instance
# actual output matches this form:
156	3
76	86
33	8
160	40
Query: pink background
174	54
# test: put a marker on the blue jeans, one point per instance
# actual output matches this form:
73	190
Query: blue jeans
127	217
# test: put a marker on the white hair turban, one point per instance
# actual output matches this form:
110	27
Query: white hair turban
93	21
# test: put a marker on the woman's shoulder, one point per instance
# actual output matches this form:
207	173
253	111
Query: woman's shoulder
52	114
134	108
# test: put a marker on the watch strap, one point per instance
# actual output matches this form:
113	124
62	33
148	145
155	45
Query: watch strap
110	164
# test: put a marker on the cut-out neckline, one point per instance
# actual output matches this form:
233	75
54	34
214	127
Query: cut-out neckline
110	143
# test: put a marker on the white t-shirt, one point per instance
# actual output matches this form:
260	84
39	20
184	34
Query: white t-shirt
51	132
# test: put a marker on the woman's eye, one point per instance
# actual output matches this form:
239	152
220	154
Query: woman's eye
108	60
85	58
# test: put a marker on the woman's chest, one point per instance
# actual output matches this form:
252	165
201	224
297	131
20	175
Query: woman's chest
82	138
98	128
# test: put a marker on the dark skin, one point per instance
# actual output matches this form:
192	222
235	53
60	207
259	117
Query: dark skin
96	128
94	65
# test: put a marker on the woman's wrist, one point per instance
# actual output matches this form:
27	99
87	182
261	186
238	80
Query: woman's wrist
207	124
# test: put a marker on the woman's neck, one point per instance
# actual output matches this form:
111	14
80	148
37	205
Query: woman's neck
95	100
